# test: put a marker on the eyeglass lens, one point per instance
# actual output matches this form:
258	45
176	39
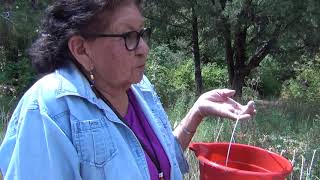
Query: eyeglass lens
132	38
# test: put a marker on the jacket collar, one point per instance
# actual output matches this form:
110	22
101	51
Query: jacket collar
73	82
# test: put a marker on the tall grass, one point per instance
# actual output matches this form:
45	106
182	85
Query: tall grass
5	113
4	120
291	129
7	104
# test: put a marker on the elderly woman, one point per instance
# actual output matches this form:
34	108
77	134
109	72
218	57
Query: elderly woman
95	115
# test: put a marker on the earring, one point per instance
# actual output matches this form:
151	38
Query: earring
91	79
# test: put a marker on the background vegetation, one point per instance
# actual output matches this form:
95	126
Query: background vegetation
267	50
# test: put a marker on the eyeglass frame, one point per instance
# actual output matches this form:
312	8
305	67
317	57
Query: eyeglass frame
124	36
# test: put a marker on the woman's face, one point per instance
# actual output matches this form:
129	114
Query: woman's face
114	66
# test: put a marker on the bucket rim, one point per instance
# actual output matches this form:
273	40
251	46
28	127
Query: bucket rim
204	160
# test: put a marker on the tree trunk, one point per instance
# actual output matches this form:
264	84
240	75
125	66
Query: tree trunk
196	52
8	4
228	49
240	58
238	82
35	4
239	64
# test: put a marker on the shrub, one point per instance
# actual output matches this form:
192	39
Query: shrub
17	77
214	76
159	75
270	75
170	72
17	31
305	86
183	77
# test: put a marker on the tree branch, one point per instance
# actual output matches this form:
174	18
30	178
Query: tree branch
7	19
264	50
173	25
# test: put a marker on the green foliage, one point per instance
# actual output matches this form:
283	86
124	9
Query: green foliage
268	27
305	86
178	110
159	75
163	55
183	77
214	76
19	75
274	121
249	93
270	74
7	104
292	127
17	31
170	72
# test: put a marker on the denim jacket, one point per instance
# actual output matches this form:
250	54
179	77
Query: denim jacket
61	130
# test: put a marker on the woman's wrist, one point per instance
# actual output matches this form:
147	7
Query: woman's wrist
195	115
187	127
186	130
191	122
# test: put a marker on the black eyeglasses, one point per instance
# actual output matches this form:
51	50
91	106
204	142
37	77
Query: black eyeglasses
131	38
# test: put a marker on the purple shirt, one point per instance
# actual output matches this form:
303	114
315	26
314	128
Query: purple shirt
152	147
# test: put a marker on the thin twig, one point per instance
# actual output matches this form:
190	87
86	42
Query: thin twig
301	171
7	19
219	132
292	162
310	167
249	139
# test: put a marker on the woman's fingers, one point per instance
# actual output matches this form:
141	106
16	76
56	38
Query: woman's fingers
245	117
219	103
250	108
219	95
227	92
236	110
233	114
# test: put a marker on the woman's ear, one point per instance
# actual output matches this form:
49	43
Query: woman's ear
79	50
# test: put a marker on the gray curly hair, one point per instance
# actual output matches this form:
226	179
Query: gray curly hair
64	19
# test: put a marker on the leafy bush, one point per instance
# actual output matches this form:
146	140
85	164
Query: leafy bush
18	76
214	76
183	77
178	110
249	93
159	75
163	55
305	86
18	28
170	72
270	74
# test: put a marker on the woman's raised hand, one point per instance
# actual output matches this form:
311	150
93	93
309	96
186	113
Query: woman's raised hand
218	102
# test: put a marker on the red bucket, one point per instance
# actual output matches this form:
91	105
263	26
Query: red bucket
245	162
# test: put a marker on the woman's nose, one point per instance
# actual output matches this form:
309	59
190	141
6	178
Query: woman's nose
143	47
